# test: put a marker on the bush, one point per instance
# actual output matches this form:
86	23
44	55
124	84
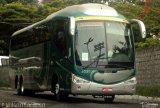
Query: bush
148	91
149	42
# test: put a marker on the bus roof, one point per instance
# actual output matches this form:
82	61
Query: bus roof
89	9
26	28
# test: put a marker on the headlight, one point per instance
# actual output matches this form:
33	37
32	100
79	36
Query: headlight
79	80
131	81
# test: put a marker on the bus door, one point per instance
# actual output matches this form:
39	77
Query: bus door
62	50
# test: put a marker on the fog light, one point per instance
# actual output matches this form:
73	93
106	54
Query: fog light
131	81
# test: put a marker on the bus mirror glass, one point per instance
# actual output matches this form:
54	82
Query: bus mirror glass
72	25
138	28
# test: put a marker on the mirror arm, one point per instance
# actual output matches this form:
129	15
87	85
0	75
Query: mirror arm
72	25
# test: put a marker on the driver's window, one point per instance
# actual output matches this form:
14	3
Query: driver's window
60	31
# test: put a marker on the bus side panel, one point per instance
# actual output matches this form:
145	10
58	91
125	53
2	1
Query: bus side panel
31	63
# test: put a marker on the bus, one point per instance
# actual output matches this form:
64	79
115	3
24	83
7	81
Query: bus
85	49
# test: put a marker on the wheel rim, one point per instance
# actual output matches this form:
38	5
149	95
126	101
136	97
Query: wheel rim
57	88
22	89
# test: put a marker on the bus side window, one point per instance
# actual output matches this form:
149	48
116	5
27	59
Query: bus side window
41	33
60	40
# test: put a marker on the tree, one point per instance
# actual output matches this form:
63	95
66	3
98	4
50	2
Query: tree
17	12
30	1
22	1
54	3
10	1
2	2
86	1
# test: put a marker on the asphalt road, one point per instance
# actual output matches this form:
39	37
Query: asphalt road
9	99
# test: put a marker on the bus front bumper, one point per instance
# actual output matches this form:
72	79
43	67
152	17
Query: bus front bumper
83	87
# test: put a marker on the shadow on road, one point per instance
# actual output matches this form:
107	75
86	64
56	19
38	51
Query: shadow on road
76	99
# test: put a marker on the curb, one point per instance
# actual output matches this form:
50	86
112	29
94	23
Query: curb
139	98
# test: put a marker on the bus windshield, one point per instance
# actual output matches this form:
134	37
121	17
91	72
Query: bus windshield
103	43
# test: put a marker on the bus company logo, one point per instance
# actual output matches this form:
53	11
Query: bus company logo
149	105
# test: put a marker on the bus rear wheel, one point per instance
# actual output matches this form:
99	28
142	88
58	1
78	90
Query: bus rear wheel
20	87
109	98
21	90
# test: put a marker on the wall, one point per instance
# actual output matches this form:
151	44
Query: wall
4	76
148	67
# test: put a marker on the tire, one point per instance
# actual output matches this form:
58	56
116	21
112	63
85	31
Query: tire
20	87
16	82
60	96
21	90
109	98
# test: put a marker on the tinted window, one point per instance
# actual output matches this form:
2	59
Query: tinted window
30	37
61	35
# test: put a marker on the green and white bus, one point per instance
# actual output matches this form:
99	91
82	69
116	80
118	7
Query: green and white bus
83	49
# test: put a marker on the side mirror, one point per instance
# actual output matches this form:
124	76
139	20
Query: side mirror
141	26
72	25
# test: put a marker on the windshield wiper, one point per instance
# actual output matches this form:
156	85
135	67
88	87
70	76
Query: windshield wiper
95	60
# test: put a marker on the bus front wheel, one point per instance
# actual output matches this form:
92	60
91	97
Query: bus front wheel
60	96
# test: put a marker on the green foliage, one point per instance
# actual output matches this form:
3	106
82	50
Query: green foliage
141	45
59	4
148	91
21	1
56	3
10	1
72	2
153	41
2	2
130	11
149	42
86	1
29	1
21	12
17	12
152	20
27	11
